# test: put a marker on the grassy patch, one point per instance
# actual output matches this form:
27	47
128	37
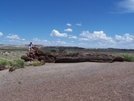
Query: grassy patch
5	63
128	58
36	63
19	63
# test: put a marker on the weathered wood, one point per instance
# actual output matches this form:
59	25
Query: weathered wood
37	54
26	58
2	68
83	59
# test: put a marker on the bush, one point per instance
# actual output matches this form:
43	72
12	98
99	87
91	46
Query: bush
19	63
28	63
128	58
5	63
36	63
53	50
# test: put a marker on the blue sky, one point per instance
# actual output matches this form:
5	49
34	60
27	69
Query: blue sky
82	23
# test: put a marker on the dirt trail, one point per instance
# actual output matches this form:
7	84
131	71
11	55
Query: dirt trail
87	81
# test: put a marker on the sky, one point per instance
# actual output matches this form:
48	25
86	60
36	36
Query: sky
82	23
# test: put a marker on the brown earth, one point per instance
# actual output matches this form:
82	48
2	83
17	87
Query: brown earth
86	81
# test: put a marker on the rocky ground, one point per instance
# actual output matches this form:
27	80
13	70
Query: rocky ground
86	81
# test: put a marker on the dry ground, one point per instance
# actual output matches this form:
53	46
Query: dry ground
87	81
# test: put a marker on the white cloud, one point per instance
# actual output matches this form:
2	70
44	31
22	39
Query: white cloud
72	37
126	38
68	24
96	39
15	39
60	42
101	40
57	34
12	36
41	42
83	39
98	36
68	30
1	34
49	43
78	24
127	6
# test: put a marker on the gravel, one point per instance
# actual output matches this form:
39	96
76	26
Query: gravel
86	81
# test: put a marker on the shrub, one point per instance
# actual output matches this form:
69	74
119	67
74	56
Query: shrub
5	63
36	63
19	63
128	58
53	50
29	63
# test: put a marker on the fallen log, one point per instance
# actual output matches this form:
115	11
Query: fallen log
2	67
26	58
37	54
83	59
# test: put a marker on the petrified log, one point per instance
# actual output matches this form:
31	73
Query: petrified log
83	59
36	54
43	57
26	58
87	57
2	68
11	69
118	58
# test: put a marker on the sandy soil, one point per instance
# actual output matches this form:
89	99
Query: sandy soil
87	81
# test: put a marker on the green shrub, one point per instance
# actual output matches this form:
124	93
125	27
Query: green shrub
128	58
27	64
19	63
36	63
53	50
5	63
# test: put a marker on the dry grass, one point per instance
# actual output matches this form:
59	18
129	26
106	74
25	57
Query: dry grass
11	55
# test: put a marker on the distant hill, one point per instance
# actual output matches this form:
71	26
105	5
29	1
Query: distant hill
57	48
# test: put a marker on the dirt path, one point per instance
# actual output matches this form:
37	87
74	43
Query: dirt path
86	81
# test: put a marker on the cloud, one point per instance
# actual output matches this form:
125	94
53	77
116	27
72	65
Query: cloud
72	37
39	40
1	34
101	40
99	36
126	38
57	34
59	42
68	30
83	39
49	43
12	36
68	24
127	6
78	24
42	42
96	39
